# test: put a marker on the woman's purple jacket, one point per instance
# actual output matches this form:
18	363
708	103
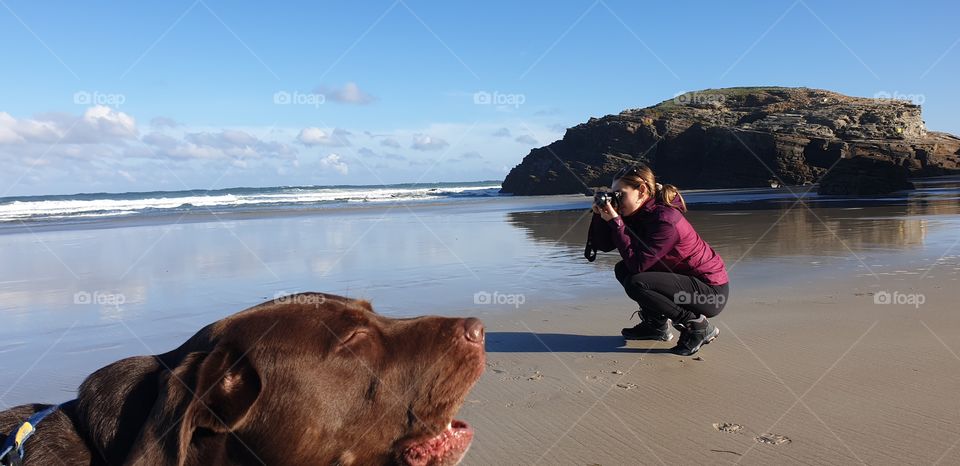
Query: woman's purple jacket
658	237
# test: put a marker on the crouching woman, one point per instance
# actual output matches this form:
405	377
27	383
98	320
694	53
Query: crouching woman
667	268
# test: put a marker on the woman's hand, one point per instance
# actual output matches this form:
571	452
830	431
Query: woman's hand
607	212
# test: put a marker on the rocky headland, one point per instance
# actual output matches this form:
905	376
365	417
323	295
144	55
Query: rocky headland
748	137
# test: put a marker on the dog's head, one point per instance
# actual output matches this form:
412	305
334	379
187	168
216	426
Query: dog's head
308	379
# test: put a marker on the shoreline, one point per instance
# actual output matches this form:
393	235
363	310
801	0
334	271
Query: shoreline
935	189
478	204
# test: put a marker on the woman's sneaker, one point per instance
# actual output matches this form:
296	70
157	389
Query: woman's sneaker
693	335
648	330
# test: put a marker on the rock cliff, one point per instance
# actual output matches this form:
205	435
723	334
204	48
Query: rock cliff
747	137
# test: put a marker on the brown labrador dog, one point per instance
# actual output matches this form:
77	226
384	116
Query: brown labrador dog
308	379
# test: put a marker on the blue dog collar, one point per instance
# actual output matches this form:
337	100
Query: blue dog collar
12	452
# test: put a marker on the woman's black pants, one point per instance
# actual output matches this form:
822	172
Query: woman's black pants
672	296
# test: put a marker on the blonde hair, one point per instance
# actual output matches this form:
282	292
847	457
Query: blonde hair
641	175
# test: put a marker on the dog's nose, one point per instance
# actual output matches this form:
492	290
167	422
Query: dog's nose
473	330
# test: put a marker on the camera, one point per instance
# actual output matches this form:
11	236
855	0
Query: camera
613	198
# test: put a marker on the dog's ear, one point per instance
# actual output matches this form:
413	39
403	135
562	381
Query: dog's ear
212	391
227	387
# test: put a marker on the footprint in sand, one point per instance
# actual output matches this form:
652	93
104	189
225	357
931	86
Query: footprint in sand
728	427
766	439
772	439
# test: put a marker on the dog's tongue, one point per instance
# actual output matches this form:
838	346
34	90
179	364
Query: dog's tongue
446	449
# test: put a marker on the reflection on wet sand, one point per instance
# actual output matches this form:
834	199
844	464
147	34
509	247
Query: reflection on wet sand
816	226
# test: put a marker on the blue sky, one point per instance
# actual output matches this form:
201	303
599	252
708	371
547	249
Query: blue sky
136	96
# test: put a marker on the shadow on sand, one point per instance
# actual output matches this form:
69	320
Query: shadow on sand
526	342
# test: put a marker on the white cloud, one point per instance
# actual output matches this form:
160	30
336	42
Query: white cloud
369	153
526	139
160	140
321	137
92	155
14	131
469	156
8	135
502	133
390	142
110	121
226	144
335	162
428	143
98	124
350	93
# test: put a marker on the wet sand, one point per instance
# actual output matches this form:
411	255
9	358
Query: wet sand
805	354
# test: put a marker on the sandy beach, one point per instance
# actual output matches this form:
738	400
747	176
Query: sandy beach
839	344
817	366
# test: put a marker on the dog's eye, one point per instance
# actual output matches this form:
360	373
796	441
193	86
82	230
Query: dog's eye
356	338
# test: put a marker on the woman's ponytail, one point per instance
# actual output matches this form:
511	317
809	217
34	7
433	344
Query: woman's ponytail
667	194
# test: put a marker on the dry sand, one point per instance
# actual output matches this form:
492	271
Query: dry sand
817	373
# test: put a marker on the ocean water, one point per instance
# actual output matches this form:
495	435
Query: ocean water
75	207
102	207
